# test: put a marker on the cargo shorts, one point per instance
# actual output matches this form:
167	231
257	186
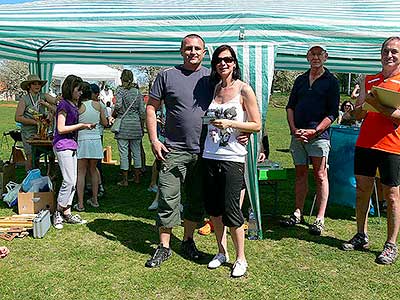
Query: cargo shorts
180	169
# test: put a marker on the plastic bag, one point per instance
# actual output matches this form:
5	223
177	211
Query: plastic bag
27	182
11	197
42	184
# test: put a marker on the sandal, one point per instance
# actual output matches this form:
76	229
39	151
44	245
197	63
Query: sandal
292	221
93	204
77	208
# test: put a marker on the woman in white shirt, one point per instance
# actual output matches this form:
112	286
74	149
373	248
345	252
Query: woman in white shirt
233	110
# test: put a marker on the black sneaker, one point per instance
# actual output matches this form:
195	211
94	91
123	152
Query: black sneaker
358	242
162	254
388	255
292	221
316	228
189	250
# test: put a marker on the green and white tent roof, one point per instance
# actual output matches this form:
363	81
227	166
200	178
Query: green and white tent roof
148	32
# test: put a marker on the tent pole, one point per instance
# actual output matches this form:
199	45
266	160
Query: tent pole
38	51
349	85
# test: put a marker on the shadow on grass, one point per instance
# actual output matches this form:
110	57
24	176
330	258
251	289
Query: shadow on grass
274	231
133	234
132	200
286	199
137	236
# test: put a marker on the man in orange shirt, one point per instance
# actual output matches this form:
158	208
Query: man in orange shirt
378	147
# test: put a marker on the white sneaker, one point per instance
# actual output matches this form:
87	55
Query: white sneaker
154	205
239	268
58	220
218	260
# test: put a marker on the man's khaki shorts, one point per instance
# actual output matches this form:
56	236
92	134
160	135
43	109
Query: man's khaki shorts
301	152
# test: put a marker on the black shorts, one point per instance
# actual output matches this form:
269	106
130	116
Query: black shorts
367	161
223	183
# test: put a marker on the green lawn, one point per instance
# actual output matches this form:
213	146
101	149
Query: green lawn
105	258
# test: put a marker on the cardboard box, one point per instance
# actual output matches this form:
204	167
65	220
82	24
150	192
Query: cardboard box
32	203
7	174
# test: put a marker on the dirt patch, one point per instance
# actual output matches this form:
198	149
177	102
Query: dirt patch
8	105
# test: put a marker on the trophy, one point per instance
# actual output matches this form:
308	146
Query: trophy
43	124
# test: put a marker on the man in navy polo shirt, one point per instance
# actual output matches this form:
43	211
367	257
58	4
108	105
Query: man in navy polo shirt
312	107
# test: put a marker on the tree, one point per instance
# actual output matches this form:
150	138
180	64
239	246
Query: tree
12	73
344	81
283	80
150	74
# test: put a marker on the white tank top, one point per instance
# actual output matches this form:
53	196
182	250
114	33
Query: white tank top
90	115
222	144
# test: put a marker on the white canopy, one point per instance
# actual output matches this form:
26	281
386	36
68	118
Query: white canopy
87	72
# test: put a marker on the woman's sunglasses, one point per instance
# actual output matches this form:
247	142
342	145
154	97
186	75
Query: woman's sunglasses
226	59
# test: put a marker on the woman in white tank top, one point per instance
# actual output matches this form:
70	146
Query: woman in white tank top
90	148
233	110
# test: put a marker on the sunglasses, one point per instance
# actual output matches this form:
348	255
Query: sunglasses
226	59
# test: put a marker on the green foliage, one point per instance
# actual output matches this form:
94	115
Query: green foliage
12	73
150	74
283	80
344	81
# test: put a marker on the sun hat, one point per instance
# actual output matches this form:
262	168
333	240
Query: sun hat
31	78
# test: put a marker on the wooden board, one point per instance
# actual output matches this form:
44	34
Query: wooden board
48	143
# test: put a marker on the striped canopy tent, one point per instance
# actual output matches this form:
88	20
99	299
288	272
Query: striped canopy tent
148	32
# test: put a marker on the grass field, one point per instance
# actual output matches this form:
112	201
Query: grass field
105	258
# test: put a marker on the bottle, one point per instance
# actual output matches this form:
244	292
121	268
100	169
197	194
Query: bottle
252	231
275	165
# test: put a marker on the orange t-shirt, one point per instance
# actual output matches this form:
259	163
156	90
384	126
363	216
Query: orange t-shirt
377	131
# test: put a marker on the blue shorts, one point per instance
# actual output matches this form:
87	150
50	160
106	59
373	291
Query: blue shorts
301	152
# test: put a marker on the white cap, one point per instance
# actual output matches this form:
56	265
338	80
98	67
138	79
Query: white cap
323	47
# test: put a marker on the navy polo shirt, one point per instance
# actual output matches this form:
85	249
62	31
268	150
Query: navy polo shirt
311	104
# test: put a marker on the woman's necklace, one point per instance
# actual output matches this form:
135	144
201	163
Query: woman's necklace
35	103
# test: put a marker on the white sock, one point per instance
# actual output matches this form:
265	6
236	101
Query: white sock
297	214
